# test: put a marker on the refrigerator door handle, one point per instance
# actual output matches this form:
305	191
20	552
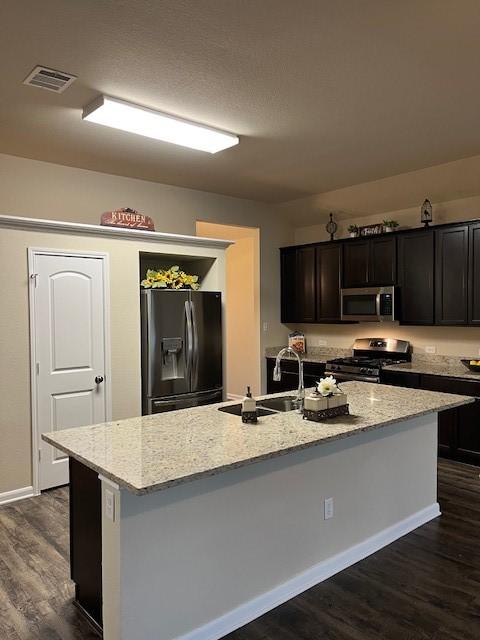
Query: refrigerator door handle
150	344
189	342
195	352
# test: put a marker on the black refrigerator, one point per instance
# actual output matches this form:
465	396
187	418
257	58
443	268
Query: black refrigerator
181	349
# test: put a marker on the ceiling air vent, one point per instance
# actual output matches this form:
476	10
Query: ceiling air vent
50	79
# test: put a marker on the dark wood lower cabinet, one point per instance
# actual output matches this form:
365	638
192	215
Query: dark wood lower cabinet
447	433
401	379
312	372
468	433
86	539
458	429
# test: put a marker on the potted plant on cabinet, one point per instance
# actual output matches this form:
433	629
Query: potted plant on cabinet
390	225
353	230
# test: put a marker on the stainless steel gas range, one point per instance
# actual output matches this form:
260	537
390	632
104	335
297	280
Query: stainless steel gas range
368	357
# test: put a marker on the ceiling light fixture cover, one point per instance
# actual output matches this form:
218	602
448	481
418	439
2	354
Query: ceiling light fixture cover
154	124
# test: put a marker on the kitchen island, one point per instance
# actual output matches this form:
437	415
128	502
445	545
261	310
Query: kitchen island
207	523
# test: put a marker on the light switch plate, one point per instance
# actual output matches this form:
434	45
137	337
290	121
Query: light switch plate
431	349
328	508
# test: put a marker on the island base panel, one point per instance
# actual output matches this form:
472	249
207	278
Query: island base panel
199	560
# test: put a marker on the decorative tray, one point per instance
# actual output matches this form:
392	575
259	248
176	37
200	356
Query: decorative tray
324	414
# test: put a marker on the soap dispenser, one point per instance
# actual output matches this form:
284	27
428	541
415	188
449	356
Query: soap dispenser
249	408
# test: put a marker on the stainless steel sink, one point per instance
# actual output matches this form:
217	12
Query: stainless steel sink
283	403
236	410
265	407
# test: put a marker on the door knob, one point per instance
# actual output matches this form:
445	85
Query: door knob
99	379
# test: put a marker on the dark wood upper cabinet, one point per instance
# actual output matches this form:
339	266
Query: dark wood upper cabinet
369	262
474	275
416	277
298	295
305	283
288	275
329	264
383	261
436	271
356	263
451	275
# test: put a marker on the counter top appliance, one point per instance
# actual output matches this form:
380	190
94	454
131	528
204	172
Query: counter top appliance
369	355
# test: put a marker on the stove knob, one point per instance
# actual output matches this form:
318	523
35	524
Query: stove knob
363	370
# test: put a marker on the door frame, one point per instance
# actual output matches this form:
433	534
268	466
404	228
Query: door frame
33	252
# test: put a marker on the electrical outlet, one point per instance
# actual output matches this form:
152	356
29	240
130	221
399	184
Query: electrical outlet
265	327
110	505
322	343
328	508
431	349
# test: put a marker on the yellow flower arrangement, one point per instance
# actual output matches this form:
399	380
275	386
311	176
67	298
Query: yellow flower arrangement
173	278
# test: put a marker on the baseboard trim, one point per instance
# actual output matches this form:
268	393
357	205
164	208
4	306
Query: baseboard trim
234	396
17	494
255	608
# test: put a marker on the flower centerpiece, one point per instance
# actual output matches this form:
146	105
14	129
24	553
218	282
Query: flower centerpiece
353	230
327	387
173	278
327	401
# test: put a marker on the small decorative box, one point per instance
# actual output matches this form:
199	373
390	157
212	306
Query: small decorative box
337	400
315	402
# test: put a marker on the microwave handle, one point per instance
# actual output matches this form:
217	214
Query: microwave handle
378	305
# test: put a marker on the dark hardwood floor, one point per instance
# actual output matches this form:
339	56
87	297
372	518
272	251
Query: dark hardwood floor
35	588
425	586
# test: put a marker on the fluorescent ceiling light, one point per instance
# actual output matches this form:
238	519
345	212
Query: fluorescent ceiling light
160	126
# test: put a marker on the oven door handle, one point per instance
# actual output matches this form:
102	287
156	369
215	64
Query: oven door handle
345	377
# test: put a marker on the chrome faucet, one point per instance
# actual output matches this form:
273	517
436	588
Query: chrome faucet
277	374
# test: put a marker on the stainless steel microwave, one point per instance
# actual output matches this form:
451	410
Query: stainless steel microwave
368	304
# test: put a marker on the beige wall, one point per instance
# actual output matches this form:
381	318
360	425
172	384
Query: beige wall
456	341
450	211
15	427
242	305
446	182
38	189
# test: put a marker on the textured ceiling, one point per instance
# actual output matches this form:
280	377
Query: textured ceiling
324	94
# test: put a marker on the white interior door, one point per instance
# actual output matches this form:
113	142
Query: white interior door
69	347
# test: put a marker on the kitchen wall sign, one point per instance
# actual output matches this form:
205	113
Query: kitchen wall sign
127	219
371	229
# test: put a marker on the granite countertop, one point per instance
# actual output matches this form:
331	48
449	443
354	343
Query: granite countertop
452	368
155	452
435	365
